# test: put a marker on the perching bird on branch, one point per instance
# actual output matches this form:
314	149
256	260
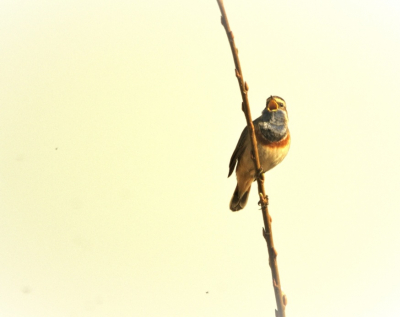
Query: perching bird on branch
273	141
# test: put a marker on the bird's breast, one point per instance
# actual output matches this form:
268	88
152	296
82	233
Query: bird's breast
272	153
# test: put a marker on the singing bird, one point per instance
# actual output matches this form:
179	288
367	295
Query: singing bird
273	142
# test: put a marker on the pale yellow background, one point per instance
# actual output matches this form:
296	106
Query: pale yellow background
117	122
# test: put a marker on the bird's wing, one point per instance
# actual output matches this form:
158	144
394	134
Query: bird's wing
238	152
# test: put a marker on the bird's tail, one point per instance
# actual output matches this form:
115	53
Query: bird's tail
238	201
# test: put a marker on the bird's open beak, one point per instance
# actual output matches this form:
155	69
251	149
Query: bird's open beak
272	105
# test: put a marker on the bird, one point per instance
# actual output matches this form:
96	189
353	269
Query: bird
273	142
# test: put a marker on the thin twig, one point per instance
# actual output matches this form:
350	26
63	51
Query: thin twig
267	231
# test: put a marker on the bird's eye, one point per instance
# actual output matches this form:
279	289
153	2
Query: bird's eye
280	104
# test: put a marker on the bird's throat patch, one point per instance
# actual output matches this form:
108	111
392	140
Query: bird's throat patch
265	138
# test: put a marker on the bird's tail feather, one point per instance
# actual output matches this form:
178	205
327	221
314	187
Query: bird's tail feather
238	201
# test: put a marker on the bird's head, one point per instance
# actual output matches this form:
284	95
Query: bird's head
275	109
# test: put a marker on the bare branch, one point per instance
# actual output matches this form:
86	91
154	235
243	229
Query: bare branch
281	299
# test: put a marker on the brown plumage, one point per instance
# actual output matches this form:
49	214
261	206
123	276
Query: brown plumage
273	142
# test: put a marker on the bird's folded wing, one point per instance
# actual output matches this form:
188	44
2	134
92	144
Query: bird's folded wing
238	152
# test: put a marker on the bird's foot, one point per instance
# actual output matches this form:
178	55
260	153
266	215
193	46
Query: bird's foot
263	203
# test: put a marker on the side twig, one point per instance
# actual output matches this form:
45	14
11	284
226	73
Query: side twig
267	231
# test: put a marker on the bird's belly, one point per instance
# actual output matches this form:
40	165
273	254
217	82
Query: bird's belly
271	156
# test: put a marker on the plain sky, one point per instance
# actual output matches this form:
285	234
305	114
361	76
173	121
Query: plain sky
117	123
